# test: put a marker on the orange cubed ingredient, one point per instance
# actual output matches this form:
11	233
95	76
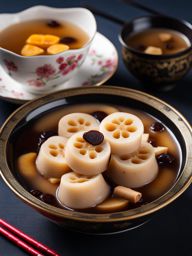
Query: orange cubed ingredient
50	40
57	48
43	41
35	39
154	50
164	37
31	50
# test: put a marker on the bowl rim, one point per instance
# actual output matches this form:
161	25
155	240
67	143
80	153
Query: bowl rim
181	184
151	56
54	9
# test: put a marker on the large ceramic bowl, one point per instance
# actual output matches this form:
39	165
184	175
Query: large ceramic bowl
88	222
39	74
160	72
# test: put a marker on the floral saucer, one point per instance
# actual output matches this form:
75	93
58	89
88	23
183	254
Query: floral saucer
100	64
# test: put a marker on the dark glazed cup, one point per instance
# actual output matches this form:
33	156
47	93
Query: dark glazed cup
160	72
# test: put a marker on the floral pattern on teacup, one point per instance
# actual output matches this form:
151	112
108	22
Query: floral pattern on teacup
99	66
103	67
11	93
11	66
48	72
106	66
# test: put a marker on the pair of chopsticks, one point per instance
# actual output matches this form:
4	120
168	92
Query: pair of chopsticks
133	3
24	241
143	7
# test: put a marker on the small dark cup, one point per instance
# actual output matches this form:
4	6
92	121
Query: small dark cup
157	71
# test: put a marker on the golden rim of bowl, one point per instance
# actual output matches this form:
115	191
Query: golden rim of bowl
181	184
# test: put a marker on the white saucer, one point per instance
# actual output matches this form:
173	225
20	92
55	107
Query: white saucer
100	64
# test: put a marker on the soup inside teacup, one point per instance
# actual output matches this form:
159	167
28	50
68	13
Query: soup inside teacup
158	41
47	46
97	158
42	37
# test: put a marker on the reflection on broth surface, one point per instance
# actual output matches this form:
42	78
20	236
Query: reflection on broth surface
27	146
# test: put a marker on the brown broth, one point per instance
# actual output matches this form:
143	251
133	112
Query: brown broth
22	30
28	140
150	37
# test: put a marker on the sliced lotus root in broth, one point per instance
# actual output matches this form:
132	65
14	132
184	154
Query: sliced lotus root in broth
80	192
75	122
78	178
51	161
85	158
136	170
123	131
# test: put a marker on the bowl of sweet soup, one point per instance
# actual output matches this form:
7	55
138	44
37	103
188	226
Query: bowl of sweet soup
157	50
97	160
51	45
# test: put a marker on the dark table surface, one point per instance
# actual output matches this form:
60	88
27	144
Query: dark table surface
169	233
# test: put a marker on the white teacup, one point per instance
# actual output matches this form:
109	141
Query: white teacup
39	74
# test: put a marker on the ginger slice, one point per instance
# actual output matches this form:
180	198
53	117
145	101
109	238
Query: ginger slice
160	150
26	165
164	37
160	185
154	50
27	169
31	50
128	193
57	48
54	180
43	41
112	205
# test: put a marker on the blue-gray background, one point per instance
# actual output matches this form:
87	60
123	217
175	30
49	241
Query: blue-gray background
170	232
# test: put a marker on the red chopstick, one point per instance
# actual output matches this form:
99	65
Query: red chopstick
19	243
26	238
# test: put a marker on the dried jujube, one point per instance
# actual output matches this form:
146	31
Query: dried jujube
93	137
